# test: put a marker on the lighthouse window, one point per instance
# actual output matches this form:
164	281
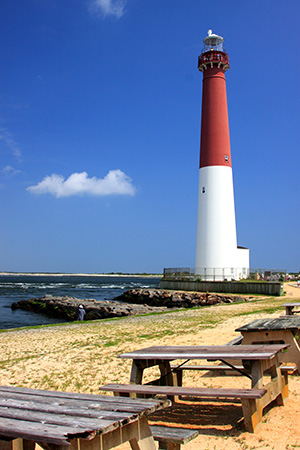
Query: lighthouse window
203	190
226	158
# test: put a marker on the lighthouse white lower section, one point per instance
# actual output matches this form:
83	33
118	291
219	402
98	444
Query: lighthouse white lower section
217	255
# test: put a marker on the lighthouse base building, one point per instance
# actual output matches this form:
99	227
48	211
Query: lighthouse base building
217	255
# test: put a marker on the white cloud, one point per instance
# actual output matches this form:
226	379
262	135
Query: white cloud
108	7
115	182
5	136
9	170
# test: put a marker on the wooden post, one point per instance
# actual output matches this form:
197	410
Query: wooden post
252	413
17	444
136	375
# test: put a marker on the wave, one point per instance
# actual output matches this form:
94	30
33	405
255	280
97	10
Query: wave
32	286
69	286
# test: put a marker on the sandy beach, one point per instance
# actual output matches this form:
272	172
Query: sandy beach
82	357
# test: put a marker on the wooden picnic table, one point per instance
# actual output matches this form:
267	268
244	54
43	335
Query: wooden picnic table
62	420
289	308
281	330
257	360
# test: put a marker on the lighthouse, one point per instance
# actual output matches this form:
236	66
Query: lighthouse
217	255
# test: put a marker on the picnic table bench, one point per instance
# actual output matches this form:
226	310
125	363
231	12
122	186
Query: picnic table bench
256	359
61	420
248	397
172	437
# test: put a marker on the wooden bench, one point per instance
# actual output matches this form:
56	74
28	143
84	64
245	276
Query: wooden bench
172	438
236	341
252	410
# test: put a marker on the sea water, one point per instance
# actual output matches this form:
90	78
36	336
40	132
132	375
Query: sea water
22	287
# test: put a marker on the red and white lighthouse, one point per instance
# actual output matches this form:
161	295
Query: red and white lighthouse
217	254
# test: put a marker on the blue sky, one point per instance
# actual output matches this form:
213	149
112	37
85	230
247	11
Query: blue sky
100	105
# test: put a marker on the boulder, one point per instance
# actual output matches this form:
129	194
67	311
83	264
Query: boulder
175	299
67	307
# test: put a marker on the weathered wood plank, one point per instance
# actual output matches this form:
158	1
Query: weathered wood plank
173	434
39	432
280	323
43	395
57	419
169	353
39	417
236	341
85	412
186	391
96	414
100	403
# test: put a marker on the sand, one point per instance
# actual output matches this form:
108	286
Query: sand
82	357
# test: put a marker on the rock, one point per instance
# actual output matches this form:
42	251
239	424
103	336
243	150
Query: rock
175	299
131	302
67	307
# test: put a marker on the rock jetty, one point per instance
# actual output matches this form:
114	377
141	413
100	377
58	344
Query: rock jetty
67	307
176	299
131	302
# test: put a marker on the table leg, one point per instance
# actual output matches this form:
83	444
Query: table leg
136	375
166	373
137	433
283	386
277	387
289	310
255	407
167	379
252	412
17	444
47	446
144	439
177	377
169	446
257	375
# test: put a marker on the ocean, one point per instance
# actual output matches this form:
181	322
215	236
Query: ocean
22	287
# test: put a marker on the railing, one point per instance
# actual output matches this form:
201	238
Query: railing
223	274
213	56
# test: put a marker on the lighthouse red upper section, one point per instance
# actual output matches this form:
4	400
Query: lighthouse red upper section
215	140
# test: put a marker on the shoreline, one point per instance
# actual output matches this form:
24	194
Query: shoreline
59	274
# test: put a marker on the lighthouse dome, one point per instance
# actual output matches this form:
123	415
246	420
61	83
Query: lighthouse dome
213	42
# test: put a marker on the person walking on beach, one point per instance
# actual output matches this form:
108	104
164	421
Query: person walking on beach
81	313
